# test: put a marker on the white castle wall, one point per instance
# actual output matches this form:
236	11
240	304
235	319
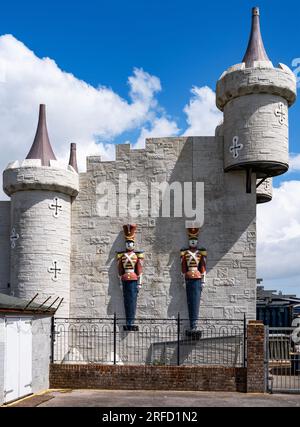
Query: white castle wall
4	247
43	240
43	233
229	234
252	119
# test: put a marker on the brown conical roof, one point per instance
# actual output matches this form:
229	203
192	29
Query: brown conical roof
255	50
41	147
73	157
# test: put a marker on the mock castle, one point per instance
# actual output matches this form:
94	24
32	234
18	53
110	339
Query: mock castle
55	242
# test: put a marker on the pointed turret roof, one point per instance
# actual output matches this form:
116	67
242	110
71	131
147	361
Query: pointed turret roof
73	157
255	50
41	147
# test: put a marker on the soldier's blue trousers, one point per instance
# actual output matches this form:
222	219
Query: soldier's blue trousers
130	292
193	295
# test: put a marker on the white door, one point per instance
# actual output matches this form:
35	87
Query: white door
18	358
25	364
12	352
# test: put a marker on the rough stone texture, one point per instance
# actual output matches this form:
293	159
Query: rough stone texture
239	81
4	246
29	175
264	193
256	377
229	234
212	378
44	232
43	240
257	127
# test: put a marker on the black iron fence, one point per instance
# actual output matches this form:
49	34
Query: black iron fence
156	342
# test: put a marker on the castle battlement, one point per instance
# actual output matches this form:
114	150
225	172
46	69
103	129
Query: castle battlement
262	78
31	175
155	148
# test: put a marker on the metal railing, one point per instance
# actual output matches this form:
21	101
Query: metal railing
156	342
283	360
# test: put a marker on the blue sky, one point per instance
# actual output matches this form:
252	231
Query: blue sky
185	44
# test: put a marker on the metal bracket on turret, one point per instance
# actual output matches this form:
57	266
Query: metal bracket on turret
249	180
261	182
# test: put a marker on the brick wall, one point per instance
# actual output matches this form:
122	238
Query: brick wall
148	378
256	357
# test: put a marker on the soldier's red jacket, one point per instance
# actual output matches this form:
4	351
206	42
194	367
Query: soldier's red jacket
193	263
130	265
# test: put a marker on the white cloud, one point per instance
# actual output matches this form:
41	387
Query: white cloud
202	113
279	236
76	111
143	86
295	163
161	126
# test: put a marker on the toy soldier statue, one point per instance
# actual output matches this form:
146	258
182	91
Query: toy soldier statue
130	274
193	267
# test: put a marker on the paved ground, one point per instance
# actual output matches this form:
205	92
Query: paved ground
107	398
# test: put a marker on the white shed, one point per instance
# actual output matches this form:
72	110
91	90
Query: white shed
25	348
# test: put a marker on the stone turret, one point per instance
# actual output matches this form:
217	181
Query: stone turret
255	97
41	191
264	191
